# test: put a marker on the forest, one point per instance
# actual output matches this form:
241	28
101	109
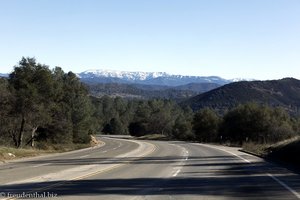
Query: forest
43	105
39	107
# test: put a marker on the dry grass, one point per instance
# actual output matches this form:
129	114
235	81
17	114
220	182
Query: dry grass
264	150
10	153
257	149
286	142
285	152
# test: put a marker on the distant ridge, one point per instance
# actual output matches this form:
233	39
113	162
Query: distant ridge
139	91
147	78
284	92
4	75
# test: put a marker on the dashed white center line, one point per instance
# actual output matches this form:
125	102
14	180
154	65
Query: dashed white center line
185	155
40	165
84	156
176	173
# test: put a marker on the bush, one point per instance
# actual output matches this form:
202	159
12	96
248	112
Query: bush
259	124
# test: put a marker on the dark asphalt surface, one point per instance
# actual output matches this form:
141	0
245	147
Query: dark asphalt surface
167	170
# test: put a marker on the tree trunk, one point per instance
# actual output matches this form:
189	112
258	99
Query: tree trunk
33	135
21	133
13	135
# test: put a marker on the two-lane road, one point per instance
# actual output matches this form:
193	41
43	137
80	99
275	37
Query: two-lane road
128	169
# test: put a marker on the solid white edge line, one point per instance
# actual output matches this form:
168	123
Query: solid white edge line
270	175
284	185
247	161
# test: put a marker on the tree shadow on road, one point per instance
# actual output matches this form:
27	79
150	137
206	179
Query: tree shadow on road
218	176
258	187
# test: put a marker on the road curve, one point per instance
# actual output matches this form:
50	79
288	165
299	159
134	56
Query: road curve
129	169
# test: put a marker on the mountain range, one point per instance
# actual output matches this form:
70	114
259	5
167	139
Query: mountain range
147	78
194	91
148	85
4	75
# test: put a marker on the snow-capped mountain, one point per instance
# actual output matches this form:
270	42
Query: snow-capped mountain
149	78
241	79
125	75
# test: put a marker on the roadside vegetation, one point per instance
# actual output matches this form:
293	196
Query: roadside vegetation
51	110
286	152
40	107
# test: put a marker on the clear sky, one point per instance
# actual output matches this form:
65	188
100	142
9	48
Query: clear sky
229	38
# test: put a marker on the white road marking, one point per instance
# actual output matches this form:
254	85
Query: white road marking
40	165
284	185
120	144
185	154
244	159
84	156
84	171
176	173
270	175
117	146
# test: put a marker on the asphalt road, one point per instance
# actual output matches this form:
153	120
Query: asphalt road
128	169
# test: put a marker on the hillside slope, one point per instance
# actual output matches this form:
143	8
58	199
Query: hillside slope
284	92
286	153
150	91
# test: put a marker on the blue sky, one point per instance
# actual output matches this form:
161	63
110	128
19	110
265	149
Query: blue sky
229	38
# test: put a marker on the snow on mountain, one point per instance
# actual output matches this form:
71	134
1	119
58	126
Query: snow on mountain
241	79
149	78
126	75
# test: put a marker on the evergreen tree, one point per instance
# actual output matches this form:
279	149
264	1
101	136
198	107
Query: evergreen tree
205	125
33	89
